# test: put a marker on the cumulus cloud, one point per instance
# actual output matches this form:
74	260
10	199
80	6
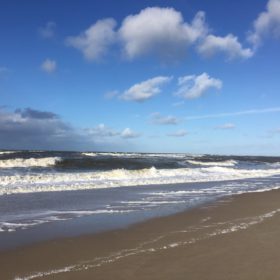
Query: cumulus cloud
193	86
161	32
267	23
157	32
95	41
48	66
229	45
178	133
145	90
226	126
48	31
157	118
102	131
129	133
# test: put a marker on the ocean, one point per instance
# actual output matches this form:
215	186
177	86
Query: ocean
44	195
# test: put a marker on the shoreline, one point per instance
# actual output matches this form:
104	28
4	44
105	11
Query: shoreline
214	241
99	210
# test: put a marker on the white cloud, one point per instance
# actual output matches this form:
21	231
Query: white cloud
277	131
49	65
178	104
102	131
229	45
4	71
193	86
145	90
129	133
111	94
95	41
233	114
48	30
161	32
158	32
179	133
272	133
267	23
157	118
226	126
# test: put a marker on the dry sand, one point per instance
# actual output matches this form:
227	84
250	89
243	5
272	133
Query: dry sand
236	238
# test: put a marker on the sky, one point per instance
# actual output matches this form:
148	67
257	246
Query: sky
188	76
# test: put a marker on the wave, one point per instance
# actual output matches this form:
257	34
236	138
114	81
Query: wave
7	152
135	155
90	154
30	162
123	155
274	165
45	182
213	163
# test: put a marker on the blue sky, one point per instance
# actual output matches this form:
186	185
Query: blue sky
149	76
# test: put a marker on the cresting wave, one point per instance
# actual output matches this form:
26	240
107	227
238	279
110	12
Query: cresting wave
213	163
30	162
7	152
137	155
55	181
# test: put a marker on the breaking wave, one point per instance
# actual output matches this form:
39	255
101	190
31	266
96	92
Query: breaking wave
213	163
55	181
135	155
30	162
7	152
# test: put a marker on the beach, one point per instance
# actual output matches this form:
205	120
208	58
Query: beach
236	237
139	140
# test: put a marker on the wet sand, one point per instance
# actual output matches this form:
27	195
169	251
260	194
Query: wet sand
235	238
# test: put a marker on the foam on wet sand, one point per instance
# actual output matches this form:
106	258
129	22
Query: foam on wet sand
234	238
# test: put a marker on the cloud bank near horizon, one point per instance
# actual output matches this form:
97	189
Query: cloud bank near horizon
34	129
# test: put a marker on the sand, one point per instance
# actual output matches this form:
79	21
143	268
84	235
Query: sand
235	238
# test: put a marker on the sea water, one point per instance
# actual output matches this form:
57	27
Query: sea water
45	195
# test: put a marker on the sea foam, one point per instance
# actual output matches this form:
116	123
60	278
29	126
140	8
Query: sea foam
30	162
55	181
213	163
